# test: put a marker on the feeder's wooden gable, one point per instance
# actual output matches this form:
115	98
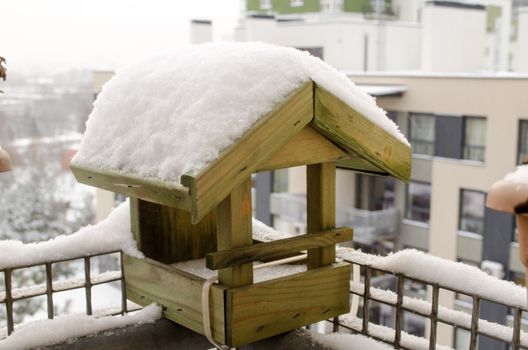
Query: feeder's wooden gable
286	138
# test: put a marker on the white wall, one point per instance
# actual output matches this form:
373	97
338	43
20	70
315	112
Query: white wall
407	10
453	39
343	41
522	42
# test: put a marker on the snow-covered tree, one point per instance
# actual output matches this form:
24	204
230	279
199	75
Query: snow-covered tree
36	204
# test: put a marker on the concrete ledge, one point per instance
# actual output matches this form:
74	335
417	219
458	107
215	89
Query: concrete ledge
165	334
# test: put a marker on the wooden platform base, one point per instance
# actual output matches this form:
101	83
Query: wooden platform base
246	314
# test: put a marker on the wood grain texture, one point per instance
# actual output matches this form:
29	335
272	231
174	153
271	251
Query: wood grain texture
352	131
320	200
269	308
258	144
177	292
149	189
234	230
307	147
167	235
277	249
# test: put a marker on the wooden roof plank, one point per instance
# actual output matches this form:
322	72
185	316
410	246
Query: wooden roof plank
149	189
357	135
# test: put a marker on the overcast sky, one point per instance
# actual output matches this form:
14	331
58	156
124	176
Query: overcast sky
102	34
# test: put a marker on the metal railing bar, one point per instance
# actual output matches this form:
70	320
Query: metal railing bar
123	286
8	301
335	324
88	285
366	301
406	308
399	312
42	289
60	260
49	290
516	338
474	323
434	317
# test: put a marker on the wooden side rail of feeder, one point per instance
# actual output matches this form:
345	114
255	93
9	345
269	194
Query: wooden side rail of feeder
209	215
269	251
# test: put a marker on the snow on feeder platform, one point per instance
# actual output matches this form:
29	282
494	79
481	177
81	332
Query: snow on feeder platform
181	135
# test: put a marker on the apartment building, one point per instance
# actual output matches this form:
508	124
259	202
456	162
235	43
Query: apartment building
371	35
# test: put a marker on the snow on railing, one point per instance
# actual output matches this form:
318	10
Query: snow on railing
439	274
111	236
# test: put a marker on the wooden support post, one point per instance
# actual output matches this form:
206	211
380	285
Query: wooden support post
320	199
234	229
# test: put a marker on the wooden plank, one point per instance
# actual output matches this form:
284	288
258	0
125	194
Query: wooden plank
166	234
134	221
352	131
307	147
361	165
177	292
258	144
269	308
149	189
234	230
320	200
276	249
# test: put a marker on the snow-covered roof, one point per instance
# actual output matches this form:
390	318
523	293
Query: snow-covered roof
175	113
184	128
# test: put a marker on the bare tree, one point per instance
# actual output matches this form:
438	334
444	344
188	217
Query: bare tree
3	70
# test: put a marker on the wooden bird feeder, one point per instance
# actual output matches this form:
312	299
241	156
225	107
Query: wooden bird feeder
209	215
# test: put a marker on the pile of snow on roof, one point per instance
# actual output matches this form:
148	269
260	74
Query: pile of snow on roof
174	113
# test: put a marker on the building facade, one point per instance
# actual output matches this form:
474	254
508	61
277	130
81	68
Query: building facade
467	131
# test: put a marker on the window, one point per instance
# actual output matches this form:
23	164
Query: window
296	3
418	201
314	51
474	138
472	207
422	133
265	4
523	141
374	192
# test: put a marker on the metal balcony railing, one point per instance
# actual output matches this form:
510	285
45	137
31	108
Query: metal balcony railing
513	336
364	288
11	295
